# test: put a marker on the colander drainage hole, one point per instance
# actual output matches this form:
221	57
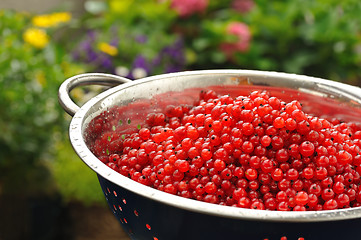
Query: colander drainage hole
285	238
154	238
115	193
124	201
148	226
120	208
136	213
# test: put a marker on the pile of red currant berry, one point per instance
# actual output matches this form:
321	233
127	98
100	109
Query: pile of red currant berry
253	151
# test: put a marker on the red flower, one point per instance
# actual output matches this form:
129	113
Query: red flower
242	6
186	8
243	34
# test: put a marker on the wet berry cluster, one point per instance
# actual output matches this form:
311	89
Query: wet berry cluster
253	151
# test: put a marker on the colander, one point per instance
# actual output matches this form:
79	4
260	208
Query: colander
147	213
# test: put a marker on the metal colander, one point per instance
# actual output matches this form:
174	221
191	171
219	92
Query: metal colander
147	213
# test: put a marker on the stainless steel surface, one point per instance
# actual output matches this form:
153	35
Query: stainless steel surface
346	96
81	80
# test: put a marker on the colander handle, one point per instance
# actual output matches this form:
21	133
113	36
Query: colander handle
82	80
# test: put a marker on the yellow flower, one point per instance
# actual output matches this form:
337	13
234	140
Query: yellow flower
51	20
77	93
61	17
108	49
70	69
120	6
41	21
36	37
40	78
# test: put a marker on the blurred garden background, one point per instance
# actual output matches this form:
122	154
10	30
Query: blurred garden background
46	192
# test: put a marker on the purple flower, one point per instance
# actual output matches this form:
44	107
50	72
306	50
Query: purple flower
171	57
141	62
173	68
91	55
85	47
88	53
141	39
157	61
85	50
92	35
114	42
106	62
